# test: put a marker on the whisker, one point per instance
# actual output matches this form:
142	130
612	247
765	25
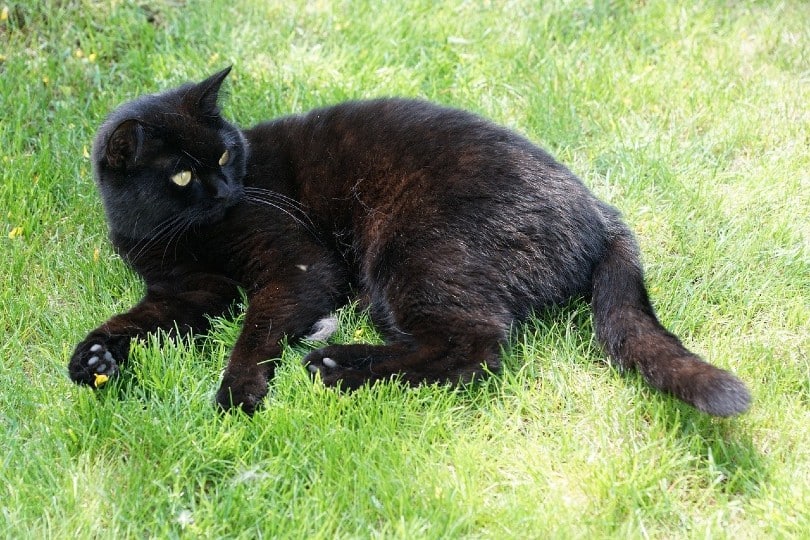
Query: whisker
278	203
192	158
292	211
156	235
279	196
309	227
283	200
170	230
144	243
183	225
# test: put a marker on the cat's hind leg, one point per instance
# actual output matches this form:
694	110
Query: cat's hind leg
444	354
445	320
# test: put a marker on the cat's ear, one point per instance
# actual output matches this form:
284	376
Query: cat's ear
208	91
124	144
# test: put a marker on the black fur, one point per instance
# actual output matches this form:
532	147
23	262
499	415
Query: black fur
451	228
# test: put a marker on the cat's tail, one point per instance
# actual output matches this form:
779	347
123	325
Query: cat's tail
629	331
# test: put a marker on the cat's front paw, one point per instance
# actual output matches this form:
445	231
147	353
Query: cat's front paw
241	392
93	363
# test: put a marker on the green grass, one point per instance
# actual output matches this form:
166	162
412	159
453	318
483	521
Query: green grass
692	119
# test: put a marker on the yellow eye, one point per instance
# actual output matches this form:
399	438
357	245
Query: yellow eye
224	159
182	178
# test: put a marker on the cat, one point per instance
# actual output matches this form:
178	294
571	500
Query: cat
452	228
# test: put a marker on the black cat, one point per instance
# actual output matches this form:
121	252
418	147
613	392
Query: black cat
451	227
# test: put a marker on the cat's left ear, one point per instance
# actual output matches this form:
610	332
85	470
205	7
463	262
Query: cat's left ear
208	91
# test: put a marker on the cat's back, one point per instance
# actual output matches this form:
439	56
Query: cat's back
374	144
414	130
411	159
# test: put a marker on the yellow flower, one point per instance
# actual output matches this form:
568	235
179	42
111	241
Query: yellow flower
15	232
4	14
358	333
91	57
85	153
96	254
100	379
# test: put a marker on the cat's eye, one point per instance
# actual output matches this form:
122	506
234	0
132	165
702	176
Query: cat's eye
182	178
224	159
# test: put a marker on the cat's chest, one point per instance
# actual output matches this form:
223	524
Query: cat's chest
254	248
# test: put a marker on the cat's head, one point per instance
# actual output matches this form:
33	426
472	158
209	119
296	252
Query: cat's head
169	160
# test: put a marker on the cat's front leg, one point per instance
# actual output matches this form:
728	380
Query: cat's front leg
181	306
97	359
274	312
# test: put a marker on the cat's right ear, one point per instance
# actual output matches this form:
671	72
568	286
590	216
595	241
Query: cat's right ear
124	145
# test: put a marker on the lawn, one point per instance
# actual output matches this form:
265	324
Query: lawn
693	119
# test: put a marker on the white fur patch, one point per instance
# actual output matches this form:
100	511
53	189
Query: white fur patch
324	328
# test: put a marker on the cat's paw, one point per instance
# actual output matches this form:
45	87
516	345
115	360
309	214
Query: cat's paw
334	372
94	363
241	392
